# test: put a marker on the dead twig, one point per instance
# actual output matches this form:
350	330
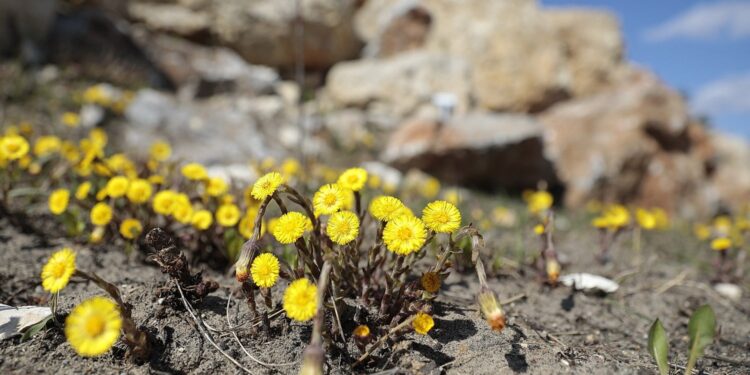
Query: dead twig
672	283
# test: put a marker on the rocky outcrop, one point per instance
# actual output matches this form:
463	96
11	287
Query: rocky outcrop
261	31
730	184
479	149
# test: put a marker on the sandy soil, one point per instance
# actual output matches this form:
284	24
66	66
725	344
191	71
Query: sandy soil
550	330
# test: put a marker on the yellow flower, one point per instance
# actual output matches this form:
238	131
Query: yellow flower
131	228
117	186
101	214
139	191
353	179
538	201
194	171
618	216
266	185
328	199
160	151
93	327
430	188
721	243
343	227
183	209
430	282
452	196
156	179
164	202
539	229
422	323
374	182
662	219
301	300
265	270
70	152
600	222
227	215
83	190
98	138
722	225
97	235
47	145
362	331
645	219
202	219
216	186
290	227
58	201
442	217
13	147
56	273
404	235
386	208
290	167
70	119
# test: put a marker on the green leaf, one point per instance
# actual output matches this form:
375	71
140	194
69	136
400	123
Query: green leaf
658	346
35	328
701	328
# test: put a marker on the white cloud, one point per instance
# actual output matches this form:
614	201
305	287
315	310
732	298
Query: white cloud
706	21
730	94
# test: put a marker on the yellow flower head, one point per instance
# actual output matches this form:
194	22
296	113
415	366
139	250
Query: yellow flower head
442	217
722	225
202	219
423	323
93	327
58	201
194	171
56	273
404	235
290	167
13	147
538	201
183	209
227	215
362	331
645	219
117	186
101	214
721	243
353	179
539	229
70	119
139	191
386	208
618	216
328	199
97	235
266	185
47	145
247	224
83	190
164	202
265	270
98	138
430	282
301	300
216	186
131	228
430	188
452	196
343	227
290	227
160	151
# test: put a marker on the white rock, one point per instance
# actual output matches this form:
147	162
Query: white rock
729	291
587	281
13	320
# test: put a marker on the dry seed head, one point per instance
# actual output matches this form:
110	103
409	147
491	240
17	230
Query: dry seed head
242	267
491	310
553	271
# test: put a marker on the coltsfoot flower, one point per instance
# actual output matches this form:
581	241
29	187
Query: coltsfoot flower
386	208
721	243
645	219
423	323
227	215
139	191
343	227
83	190
202	219
442	217
58	201
329	199
300	300
430	282
266	185
56	273
164	202
131	228
538	201
93	327
194	171
404	235
216	186
353	179
265	270
183	209
13	147
47	145
290	227
101	214
117	186
160	151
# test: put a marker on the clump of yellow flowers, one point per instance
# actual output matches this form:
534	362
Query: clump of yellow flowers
614	219
727	236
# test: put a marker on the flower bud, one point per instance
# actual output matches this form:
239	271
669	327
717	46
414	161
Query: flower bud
491	310
242	267
553	271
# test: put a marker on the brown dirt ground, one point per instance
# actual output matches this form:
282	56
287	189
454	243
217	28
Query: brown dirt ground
550	330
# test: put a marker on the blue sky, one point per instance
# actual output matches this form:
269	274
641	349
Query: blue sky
701	48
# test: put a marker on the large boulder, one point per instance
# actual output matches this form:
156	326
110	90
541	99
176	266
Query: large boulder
261	31
401	83
633	144
730	183
483	150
